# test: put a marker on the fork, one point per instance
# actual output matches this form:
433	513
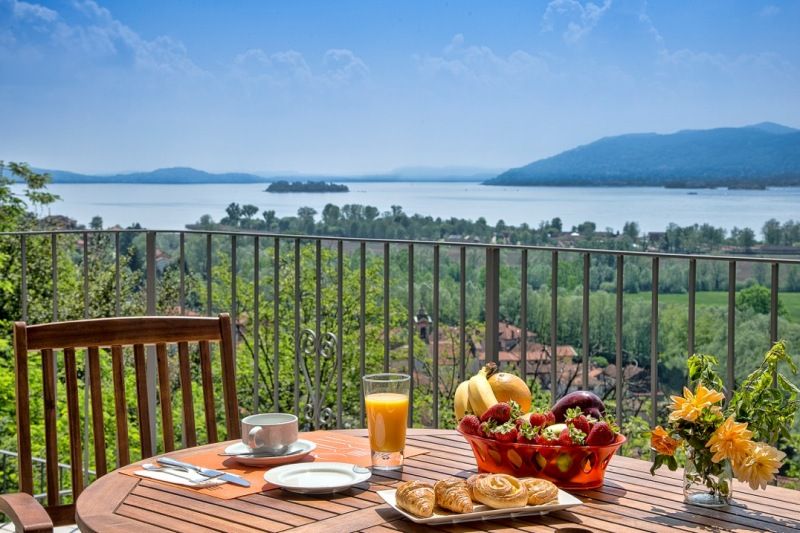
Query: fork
183	473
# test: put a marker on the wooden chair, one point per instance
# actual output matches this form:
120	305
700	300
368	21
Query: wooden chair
113	333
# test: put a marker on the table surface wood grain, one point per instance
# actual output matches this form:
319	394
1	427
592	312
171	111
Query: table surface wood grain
630	500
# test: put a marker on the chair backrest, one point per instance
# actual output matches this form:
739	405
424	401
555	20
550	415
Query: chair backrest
114	336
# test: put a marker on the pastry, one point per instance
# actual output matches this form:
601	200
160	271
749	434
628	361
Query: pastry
452	494
416	497
471	484
500	491
540	490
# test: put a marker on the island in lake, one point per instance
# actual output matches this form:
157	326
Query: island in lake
309	186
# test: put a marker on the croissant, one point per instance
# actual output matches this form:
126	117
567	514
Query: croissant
452	494
540	491
416	497
500	491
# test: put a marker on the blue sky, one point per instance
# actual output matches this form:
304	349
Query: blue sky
352	87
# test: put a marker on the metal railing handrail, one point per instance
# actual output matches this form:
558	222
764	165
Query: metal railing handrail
375	240
311	327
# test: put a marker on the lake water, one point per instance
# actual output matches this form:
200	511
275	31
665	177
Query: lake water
171	207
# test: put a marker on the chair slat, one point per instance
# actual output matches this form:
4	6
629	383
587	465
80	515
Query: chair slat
124	331
143	403
50	437
189	430
229	378
98	430
74	416
165	398
120	406
208	391
23	408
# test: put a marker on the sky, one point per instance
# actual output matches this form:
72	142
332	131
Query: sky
361	87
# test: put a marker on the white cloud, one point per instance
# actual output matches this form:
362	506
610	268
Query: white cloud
276	68
98	35
769	10
343	66
339	67
687	58
580	17
481	63
35	12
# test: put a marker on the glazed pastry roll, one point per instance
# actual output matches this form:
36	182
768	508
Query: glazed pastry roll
540	490
416	497
471	480
500	491
452	494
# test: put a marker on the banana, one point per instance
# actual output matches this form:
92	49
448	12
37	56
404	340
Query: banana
481	396
461	400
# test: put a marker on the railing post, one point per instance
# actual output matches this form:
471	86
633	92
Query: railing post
730	376
773	313
23	297
692	306
491	337
554	327
150	301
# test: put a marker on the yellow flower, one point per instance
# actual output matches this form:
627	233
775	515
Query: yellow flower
689	406
662	442
731	441
759	466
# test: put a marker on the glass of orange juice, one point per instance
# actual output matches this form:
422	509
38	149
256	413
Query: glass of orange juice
386	402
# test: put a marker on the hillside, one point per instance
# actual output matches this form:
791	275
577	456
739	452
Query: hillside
765	154
174	175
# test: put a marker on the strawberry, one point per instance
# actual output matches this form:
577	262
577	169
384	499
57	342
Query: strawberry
579	421
565	439
505	433
550	418
470	425
538	420
499	412
542	440
600	435
526	433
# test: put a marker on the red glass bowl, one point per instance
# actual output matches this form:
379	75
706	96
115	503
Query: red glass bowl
569	467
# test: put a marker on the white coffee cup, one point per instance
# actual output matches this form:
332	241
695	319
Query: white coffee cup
270	432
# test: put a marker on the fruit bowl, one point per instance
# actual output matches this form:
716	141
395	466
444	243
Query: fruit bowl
569	467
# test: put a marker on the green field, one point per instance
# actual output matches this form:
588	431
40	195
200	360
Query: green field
791	300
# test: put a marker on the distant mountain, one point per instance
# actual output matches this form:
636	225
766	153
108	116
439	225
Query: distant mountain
765	154
453	171
187	175
175	175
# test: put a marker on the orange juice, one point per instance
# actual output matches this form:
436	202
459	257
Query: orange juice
387	416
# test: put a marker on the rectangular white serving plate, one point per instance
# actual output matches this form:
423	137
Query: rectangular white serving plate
483	512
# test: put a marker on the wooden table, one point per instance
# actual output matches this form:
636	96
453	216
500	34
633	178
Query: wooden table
630	500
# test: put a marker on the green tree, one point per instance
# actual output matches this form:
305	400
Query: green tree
631	229
757	298
772	232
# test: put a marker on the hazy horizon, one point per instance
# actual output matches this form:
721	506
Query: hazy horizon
361	88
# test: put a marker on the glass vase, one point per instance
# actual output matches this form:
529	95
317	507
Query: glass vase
706	483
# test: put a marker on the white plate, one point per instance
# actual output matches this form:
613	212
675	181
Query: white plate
317	478
483	512
296	451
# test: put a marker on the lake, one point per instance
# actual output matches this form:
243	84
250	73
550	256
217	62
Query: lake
171	207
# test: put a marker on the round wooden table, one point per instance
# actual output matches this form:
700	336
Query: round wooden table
630	500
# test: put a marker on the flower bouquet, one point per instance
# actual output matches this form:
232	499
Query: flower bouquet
721	442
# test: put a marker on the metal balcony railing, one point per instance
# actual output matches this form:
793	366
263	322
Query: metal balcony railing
323	350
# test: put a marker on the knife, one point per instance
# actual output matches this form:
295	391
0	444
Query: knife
230	478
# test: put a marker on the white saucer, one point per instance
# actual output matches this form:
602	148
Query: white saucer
317	478
296	451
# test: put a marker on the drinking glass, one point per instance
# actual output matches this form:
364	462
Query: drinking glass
386	402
